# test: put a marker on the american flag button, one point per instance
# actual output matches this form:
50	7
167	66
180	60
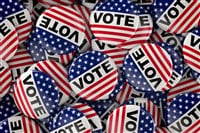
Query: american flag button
143	32
8	40
93	75
114	22
91	115
147	67
191	49
183	114
59	74
49	3
69	120
20	63
8	107
116	53
38	53
36	95
185	85
19	124
5	78
176	16
147	105
20	17
61	29
130	119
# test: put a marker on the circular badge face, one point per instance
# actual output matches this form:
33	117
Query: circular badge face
8	40
20	63
69	120
129	119
38	53
116	53
147	67
143	31
185	85
19	124
5	78
61	29
36	95
183	114
58	73
20	17
7	107
93	75
176	16
91	115
178	65
114	22
191	50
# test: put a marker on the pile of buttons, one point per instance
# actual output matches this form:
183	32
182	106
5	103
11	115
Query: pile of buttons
100	66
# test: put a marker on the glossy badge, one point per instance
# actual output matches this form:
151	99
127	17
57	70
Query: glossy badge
93	75
176	16
147	67
36	95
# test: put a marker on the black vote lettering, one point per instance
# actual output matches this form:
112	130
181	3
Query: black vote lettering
102	45
108	18
186	121
129	21
89	78
4	29
131	125
144	21
1	68
173	12
45	22
74	36
83	43
39	10
138	54
119	16
21	18
107	66
80	85
178	128
97	18
173	77
195	42
69	128
27	80
166	20
39	111
79	126
16	125
92	124
157	81
196	116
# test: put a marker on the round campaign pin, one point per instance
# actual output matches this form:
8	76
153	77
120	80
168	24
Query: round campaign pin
8	107
129	119
114	22
147	105
8	40
143	31
70	120
178	65
20	63
183	114
93	75
147	67
116	53
20	17
61	29
59	74
185	85
160	35
38	53
176	16
191	50
36	95
19	124
5	78
91	115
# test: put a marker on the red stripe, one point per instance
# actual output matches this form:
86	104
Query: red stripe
112	27
26	100
152	39
87	131
192	50
62	58
110	51
60	70
74	13
24	51
91	115
197	66
119	62
117	115
86	110
111	39
180	17
122	92
37	128
144	29
123	119
24	58
79	106
24	124
8	45
111	33
197	123
24	26
110	123
24	64
158	37
16	100
152	60
23	38
3	83
11	50
117	56
6	87
83	14
141	35
4	41
132	43
128	93
65	22
31	125
163	130
27	31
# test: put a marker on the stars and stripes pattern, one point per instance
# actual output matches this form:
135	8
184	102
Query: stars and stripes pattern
27	125
113	33
8	43
55	2
191	53
116	53
180	107
187	18
147	105
5	78
58	44
185	85
57	72
118	118
104	84
162	130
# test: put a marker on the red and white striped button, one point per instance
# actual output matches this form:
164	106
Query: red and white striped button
5	78
8	40
48	3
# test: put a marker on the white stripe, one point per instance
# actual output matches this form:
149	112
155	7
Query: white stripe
9	50
6	82
8	40
112	36
111	29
